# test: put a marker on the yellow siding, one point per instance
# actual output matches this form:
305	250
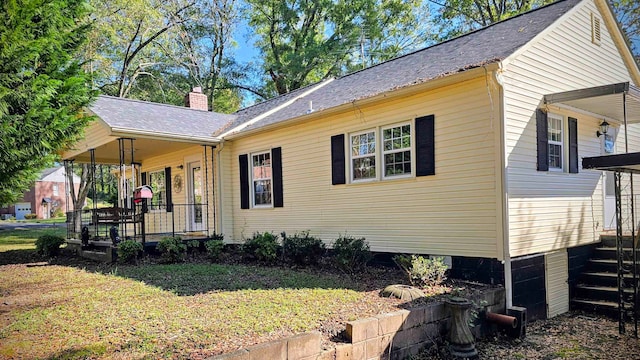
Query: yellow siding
179	215
95	135
556	274
451	213
550	210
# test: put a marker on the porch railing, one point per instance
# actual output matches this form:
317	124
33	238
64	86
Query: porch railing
143	223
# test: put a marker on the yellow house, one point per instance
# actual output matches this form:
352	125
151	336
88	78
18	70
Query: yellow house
468	149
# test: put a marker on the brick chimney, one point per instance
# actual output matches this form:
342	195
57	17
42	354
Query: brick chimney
196	99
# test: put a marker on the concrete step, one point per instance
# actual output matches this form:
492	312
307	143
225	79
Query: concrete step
610	241
601	293
610	265
607	308
602	278
610	252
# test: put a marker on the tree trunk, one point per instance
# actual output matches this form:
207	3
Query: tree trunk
78	199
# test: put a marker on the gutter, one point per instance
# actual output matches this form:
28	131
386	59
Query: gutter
154	135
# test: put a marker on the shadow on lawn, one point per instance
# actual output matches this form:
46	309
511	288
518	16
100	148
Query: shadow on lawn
14	257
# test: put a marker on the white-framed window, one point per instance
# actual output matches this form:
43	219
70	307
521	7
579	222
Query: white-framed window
261	179
396	150
157	182
555	138
56	190
363	155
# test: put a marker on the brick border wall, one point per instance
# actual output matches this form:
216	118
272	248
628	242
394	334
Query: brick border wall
395	335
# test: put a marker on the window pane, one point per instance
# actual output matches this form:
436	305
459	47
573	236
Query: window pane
262	192
364	168
157	181
555	156
397	155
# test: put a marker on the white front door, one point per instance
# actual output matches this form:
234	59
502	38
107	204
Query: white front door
195	213
609	147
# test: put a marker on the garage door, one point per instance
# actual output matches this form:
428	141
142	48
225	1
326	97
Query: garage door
22	209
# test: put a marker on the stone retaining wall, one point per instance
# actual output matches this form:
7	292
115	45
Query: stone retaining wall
395	335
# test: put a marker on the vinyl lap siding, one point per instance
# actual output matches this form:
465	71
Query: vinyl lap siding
551	210
451	213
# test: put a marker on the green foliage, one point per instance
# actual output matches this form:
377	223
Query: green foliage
628	14
57	213
42	87
49	244
457	17
302	249
30	216
351	254
193	245
172	249
214	248
262	247
303	42
422	271
128	251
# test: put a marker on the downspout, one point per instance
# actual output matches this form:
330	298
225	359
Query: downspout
506	253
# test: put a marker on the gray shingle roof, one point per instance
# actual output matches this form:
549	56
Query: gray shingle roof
488	45
160	119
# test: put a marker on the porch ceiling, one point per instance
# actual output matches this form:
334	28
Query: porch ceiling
142	149
606	101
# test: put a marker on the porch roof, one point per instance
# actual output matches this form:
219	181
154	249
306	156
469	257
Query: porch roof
136	118
627	163
608	102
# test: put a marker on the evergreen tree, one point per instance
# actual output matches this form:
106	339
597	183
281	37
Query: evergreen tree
42	87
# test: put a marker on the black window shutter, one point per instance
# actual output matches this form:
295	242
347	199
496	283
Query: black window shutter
543	142
276	168
167	188
337	160
425	146
573	145
143	181
244	181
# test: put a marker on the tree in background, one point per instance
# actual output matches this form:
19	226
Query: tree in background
628	13
42	87
457	17
302	42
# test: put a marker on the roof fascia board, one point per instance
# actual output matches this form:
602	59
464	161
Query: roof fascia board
541	35
392	94
274	110
619	39
126	132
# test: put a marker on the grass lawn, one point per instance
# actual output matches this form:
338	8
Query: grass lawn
189	310
24	239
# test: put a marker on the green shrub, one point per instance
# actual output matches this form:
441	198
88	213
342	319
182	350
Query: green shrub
49	245
128	251
302	249
262	247
422	271
351	254
214	248
172	249
30	216
58	213
216	236
193	245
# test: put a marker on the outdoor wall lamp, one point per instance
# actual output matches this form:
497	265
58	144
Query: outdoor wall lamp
604	128
182	166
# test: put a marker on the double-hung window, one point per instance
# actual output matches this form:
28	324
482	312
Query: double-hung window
555	130
363	156
157	183
261	179
396	150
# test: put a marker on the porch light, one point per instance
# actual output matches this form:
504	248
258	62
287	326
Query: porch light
604	128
